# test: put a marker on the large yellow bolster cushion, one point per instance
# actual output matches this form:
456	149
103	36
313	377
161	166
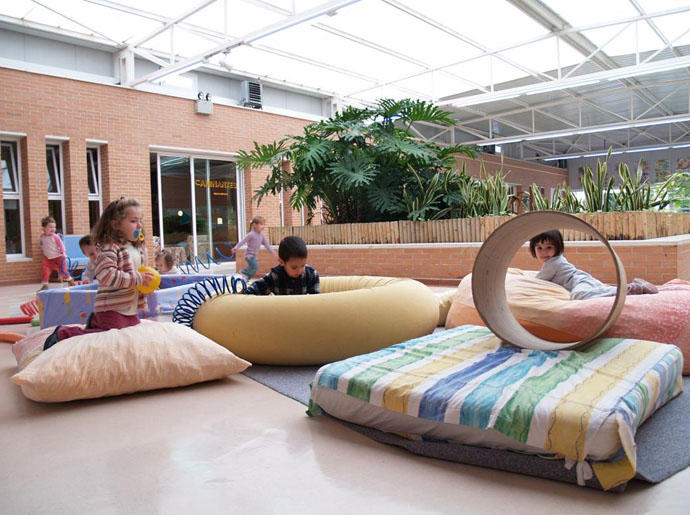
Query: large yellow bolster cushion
352	315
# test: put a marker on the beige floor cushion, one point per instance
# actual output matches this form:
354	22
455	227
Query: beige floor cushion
147	356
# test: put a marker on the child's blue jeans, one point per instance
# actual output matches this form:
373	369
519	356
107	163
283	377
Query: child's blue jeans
252	267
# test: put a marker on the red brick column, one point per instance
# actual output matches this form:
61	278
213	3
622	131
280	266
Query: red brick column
76	186
34	192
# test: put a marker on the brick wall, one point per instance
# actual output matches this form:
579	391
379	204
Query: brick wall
518	172
130	121
657	261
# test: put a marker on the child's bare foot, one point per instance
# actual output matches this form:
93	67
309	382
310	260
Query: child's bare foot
641	287
70	281
43	287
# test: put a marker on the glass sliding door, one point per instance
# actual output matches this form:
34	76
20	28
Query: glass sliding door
215	194
176	203
194	201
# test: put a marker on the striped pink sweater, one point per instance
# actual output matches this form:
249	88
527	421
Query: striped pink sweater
116	280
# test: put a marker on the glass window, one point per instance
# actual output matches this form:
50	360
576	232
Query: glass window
215	191
12	199
55	198
177	203
93	173
199	214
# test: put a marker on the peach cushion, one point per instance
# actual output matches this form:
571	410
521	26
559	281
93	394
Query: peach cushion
147	356
545	309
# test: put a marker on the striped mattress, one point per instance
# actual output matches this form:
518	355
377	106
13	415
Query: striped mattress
464	385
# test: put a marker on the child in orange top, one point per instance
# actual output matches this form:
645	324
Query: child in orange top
121	253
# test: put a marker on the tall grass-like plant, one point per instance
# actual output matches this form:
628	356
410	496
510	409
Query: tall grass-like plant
636	194
562	199
494	196
598	190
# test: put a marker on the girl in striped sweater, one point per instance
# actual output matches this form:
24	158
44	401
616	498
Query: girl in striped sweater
121	254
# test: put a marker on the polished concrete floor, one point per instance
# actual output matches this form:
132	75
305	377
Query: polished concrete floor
235	446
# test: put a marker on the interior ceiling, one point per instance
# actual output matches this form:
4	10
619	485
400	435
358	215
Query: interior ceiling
545	79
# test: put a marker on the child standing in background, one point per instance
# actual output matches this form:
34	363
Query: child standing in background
548	248
53	254
254	240
121	253
90	251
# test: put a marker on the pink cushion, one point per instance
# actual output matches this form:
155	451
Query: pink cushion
545	309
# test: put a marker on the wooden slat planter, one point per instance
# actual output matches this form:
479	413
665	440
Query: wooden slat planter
630	225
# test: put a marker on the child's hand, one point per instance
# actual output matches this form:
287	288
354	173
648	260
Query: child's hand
147	276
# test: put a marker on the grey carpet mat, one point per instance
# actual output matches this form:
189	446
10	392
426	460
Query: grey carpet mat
662	448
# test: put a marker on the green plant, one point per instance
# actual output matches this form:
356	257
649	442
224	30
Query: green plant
678	190
636	194
364	164
598	191
562	199
494	193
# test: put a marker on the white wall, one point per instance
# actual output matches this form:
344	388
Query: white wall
652	159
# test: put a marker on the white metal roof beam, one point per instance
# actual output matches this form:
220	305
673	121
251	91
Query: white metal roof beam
585	97
552	21
574	82
591	129
197	60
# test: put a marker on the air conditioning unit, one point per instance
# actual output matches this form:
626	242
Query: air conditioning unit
252	94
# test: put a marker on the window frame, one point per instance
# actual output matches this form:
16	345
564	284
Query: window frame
60	183
15	150
95	173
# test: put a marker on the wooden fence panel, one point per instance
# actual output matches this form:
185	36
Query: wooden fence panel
614	226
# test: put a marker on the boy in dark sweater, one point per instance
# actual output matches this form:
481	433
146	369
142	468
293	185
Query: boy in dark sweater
293	276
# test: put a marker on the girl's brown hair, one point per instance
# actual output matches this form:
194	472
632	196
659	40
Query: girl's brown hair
554	237
104	232
257	220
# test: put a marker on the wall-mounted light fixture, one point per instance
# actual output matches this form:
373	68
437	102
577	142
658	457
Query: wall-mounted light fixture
204	104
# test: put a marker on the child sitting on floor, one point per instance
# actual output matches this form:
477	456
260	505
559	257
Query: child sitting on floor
548	248
164	262
54	254
90	251
121	254
293	276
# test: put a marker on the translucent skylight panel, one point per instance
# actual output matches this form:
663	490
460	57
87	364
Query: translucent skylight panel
341	52
113	23
186	43
486	70
626	42
478	71
437	84
161	7
389	27
17	8
393	92
591	12
39	14
492	23
242	17
550	53
655	6
259	64
675	27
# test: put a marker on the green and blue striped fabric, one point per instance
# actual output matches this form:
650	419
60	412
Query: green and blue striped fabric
555	401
